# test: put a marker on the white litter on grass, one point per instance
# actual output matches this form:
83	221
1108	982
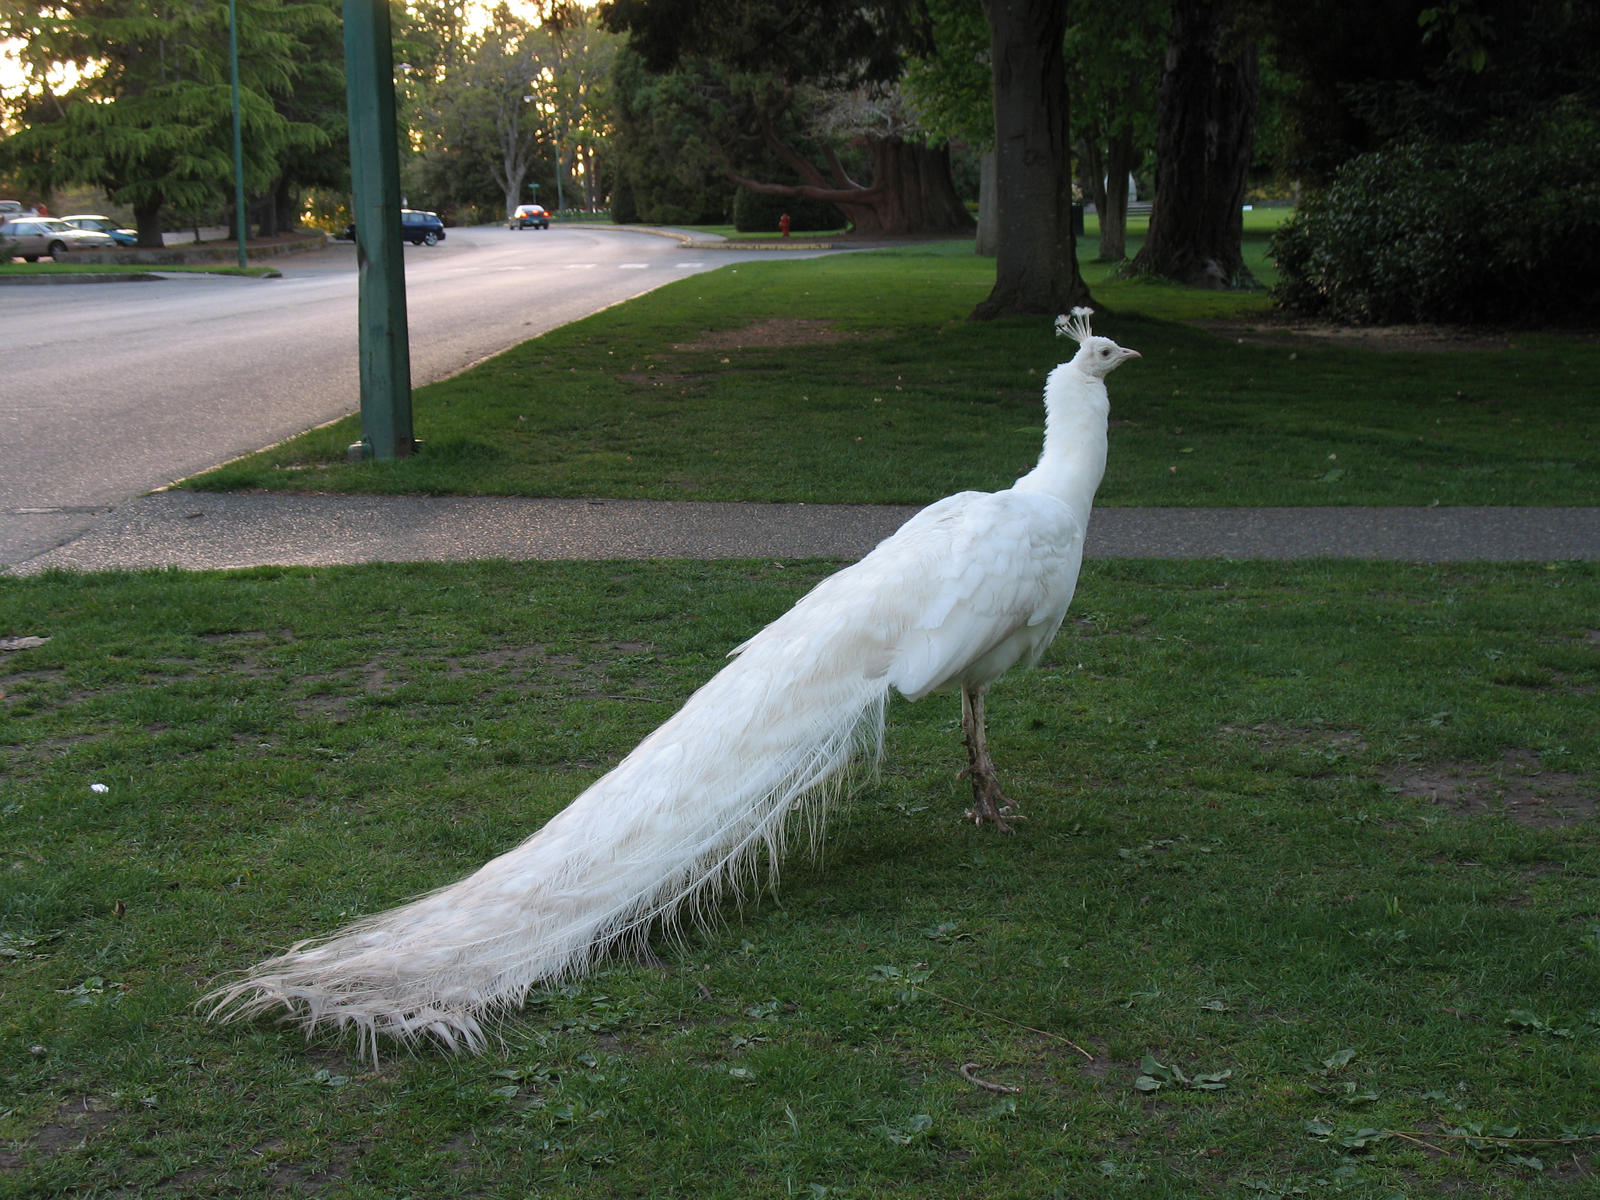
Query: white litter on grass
98	787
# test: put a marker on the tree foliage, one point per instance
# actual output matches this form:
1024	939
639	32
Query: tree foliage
1474	194
575	88
479	129
147	116
800	86
492	111
948	85
666	169
1114	56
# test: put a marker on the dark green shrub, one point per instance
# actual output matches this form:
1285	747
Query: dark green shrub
672	173
756	212
1505	229
623	209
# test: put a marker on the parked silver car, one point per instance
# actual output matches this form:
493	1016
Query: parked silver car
36	237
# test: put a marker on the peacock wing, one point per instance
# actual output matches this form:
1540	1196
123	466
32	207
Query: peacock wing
994	574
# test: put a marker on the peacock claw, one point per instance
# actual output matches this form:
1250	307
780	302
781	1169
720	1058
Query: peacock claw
1001	820
993	808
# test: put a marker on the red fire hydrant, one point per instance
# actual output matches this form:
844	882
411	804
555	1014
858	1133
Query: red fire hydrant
783	225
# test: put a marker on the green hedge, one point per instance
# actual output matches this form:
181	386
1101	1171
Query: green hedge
1503	230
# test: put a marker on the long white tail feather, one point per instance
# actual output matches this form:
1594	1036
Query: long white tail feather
681	820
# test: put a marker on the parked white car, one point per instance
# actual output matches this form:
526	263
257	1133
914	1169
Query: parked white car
101	224
37	237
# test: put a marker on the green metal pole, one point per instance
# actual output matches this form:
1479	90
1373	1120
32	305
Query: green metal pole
385	346
238	139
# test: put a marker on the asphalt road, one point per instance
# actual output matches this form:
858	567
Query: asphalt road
108	391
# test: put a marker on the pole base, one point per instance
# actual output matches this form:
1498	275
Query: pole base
363	451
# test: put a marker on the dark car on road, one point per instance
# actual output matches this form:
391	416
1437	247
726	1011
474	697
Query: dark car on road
530	216
421	228
417	227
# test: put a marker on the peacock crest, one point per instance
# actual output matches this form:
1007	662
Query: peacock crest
1075	326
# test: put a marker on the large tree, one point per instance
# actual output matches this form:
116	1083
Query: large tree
147	116
493	125
950	88
1371	73
1036	265
1114	55
1206	115
318	99
664	168
573	88
910	189
780	66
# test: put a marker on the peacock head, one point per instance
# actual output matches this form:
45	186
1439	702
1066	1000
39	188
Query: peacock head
1097	356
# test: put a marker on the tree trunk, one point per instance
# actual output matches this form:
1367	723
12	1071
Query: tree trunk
147	221
1036	264
1113	208
267	207
284	203
911	190
1092	171
1206	118
987	244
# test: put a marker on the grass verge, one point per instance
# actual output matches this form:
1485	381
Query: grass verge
858	378
53	268
1306	904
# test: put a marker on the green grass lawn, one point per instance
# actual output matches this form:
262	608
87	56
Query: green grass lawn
858	378
1306	905
70	268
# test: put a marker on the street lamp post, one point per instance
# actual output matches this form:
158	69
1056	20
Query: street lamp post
385	344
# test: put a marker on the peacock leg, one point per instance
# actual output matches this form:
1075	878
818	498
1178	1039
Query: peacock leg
989	802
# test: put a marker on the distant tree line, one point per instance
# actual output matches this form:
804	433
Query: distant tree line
145	110
1440	151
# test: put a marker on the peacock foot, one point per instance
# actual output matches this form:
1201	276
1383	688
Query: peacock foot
990	805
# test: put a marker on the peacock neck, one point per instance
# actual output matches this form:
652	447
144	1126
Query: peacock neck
1074	456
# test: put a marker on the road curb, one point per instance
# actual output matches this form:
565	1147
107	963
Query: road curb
50	280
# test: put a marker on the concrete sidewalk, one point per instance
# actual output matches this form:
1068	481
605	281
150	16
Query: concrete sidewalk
204	531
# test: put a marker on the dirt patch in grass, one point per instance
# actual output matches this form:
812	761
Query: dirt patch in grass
1326	741
77	1119
531	669
1284	331
774	331
661	379
1517	787
311	1179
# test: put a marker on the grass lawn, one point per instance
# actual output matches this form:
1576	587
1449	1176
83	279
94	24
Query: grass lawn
857	377
1306	905
55	268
